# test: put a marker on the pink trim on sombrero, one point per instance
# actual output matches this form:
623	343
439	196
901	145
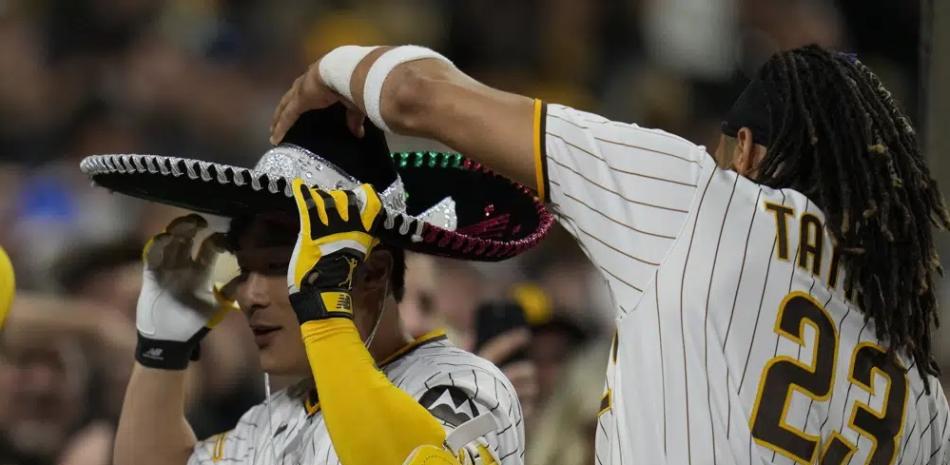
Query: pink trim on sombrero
480	246
490	247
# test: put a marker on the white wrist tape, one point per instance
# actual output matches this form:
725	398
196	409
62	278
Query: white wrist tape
384	65
336	67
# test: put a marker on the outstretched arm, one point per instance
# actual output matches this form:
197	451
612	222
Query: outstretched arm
622	190
431	98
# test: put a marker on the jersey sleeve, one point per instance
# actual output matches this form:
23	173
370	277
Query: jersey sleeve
623	191
464	392
234	446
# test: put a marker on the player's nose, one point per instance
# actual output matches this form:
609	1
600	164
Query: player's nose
252	293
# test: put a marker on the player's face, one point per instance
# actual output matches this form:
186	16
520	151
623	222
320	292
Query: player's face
262	295
264	255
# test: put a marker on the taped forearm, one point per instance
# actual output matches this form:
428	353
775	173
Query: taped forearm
415	91
370	421
432	98
359	74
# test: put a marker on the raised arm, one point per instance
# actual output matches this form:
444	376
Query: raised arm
431	98
622	190
176	308
370	420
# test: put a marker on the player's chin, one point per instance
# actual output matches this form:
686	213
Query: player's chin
284	356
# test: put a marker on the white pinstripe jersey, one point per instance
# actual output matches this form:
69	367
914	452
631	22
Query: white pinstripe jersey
452	383
735	342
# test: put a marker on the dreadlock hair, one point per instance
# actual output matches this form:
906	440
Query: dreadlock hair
840	139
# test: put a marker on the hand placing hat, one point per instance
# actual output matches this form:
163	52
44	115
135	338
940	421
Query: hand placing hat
337	230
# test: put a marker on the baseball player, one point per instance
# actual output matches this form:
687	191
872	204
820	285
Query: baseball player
320	293
774	300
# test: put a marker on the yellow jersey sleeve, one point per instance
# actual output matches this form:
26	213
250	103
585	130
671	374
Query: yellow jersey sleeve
370	421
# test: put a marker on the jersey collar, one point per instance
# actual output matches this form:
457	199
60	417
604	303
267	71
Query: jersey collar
431	336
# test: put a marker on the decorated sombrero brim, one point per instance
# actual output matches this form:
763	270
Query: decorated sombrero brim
435	203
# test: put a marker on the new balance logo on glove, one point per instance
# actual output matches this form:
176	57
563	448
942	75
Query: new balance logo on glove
345	302
153	353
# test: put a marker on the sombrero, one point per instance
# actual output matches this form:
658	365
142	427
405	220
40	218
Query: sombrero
434	202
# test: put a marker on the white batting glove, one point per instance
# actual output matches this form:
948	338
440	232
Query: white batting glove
178	304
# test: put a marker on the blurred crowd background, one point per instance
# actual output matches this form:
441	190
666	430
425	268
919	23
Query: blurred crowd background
199	78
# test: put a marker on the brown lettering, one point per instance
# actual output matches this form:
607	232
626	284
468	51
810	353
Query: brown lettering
811	240
781	213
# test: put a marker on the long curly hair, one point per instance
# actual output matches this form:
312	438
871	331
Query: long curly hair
841	139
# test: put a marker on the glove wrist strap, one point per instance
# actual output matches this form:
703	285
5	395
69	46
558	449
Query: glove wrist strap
168	355
325	290
330	303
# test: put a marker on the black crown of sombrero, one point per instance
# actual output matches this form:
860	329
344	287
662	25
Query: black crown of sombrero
434	202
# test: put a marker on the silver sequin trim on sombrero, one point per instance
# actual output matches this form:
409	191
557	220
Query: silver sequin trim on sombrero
285	161
291	161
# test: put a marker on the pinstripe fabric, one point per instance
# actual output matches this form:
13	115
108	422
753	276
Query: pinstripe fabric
300	439
690	255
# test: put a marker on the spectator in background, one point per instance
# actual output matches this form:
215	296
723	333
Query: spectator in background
417	307
108	273
47	350
43	381
565	429
571	286
459	289
552	344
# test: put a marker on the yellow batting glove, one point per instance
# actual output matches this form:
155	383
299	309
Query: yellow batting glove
336	234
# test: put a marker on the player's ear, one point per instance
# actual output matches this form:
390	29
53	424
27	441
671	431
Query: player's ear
374	273
747	154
